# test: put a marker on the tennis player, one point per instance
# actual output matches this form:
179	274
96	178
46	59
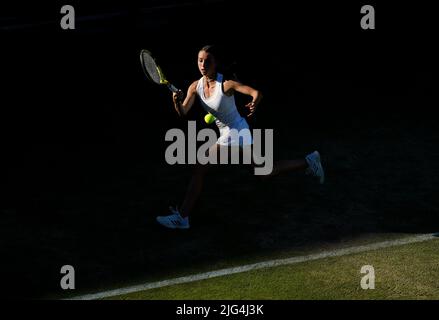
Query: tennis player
217	97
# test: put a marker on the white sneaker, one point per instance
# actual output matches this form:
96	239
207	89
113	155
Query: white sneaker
315	166
174	220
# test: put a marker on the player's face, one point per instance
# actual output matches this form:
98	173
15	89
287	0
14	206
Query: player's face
206	63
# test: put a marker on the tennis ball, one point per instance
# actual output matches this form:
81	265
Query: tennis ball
209	118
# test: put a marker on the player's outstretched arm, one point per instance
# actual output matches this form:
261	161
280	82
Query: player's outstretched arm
247	90
183	106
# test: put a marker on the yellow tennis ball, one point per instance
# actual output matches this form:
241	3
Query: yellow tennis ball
209	118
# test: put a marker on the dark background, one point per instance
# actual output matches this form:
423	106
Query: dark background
78	119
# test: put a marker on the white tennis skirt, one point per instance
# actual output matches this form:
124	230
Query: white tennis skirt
237	134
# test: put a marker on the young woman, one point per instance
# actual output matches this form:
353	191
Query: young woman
217	97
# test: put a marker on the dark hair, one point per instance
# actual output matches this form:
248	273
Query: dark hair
225	65
210	48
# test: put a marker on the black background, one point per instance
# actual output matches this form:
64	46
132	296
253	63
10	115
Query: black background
84	86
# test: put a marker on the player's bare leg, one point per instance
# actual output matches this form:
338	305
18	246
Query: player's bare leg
283	166
311	163
194	189
196	183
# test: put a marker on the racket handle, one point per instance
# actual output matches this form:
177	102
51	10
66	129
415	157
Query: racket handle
172	88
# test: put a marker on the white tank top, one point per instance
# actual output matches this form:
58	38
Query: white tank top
223	107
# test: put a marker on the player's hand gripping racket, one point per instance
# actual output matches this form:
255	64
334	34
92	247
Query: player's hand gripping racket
153	71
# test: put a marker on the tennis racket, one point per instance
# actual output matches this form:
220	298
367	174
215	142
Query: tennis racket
153	71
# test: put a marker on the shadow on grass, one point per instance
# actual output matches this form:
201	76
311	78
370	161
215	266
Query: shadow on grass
99	216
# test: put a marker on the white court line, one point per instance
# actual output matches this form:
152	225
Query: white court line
255	266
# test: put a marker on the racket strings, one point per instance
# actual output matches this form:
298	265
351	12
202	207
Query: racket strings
150	67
